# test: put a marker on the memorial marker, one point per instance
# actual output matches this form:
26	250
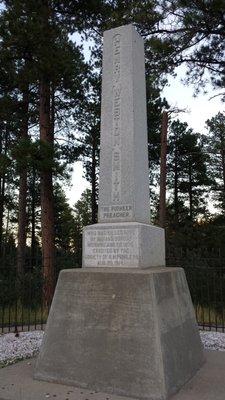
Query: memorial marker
120	325
124	236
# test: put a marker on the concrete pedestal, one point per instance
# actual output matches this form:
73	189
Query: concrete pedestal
125	331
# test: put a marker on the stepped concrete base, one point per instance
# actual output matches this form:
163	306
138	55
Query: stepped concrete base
124	244
128	331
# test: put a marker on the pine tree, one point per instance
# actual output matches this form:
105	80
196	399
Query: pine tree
83	217
215	147
193	33
89	127
187	174
37	35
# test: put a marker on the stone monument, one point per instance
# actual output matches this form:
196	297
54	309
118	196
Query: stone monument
123	323
123	237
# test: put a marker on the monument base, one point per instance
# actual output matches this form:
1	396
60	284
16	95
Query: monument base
130	332
124	244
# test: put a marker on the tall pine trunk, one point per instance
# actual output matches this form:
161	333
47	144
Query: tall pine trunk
223	172
3	151
46	189
176	204
162	195
22	214
33	218
190	191
2	200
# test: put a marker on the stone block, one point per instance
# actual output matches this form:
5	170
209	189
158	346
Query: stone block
130	332
124	244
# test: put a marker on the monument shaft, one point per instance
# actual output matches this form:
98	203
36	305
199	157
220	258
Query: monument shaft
124	183
123	237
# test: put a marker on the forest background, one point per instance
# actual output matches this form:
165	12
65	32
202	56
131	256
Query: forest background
50	98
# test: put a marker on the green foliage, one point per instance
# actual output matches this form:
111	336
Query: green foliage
215	146
82	216
187	173
64	222
194	31
82	209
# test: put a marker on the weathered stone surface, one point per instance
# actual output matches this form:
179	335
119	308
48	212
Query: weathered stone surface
124	187
124	244
124	210
124	331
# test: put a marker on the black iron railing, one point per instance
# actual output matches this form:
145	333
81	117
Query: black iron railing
23	305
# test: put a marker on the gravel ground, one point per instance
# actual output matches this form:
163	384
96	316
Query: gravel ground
213	340
13	349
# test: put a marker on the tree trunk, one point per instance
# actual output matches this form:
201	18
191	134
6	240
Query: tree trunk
176	205
223	169
22	214
2	200
6	233
2	188
46	187
33	219
162	195
93	182
190	193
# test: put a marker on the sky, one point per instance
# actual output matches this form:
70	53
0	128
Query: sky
199	109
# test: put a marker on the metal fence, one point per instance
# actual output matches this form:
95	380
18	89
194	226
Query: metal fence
207	287
22	301
205	273
22	306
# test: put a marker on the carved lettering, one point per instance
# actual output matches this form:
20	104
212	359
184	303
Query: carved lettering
112	247
116	131
116	212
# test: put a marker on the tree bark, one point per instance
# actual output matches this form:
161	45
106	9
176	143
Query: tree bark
2	188
176	206
223	169
162	195
190	189
46	187
33	218
2	200
22	213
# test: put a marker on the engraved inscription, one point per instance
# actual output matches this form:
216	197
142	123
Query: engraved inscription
114	247
116	132
116	212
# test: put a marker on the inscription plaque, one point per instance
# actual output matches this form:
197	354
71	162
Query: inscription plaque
116	212
111	247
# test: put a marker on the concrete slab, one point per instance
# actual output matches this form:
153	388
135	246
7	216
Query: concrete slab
17	383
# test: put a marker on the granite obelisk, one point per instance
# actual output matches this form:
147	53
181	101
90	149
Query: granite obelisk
124	236
124	323
124	181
